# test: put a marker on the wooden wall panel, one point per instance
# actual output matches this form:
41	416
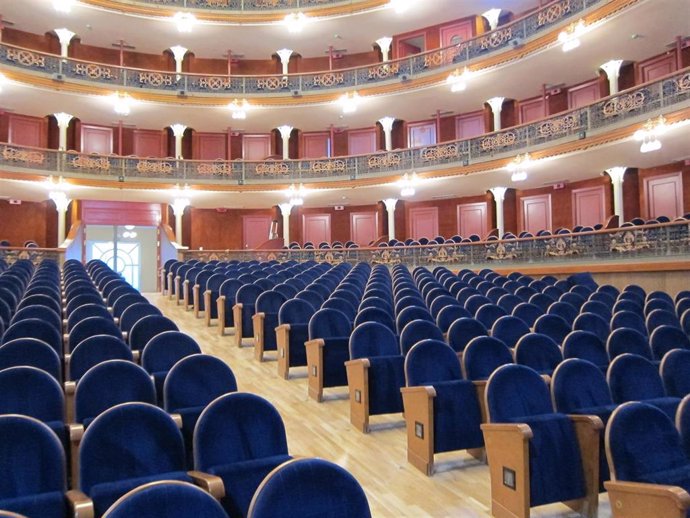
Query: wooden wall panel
423	222
95	212
149	143
589	206
219	229
256	147
96	139
656	67
456	33
315	145
536	213
473	219
341	221
316	228
422	133
469	125
532	110
362	141
664	195
210	146
24	130
255	230
583	94
28	221
364	227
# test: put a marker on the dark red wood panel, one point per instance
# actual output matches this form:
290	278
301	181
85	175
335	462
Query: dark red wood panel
532	110
420	134
469	125
316	228
664	195
583	94
589	206
536	213
361	141
256	147
210	146
656	67
120	213
456	33
96	139
316	145
24	130
472	219
255	230
363	227
149	143
423	222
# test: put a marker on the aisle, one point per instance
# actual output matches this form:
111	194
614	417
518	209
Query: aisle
459	489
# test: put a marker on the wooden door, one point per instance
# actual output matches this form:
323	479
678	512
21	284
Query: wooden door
456	33
24	130
316	145
664	195
149	143
421	134
532	110
96	139
210	146
656	67
472	219
584	94
316	228
255	230
361	141
256	147
536	213
469	125
589	206
364	227
423	222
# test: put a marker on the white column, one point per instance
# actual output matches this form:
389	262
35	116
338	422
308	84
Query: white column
492	16
499	195
178	131
178	53
617	175
178	206
284	55
61	203
65	36
496	104
385	46
387	123
613	70
285	209
62	119
390	209
285	131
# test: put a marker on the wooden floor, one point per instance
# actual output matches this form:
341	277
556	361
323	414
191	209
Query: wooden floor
460	487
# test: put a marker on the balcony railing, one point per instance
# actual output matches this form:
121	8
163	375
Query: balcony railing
671	93
505	37
246	6
646	242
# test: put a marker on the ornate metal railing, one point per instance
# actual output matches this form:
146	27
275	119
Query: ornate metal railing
668	94
35	255
247	6
112	76
661	242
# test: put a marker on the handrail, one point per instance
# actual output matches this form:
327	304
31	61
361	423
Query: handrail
509	36
671	92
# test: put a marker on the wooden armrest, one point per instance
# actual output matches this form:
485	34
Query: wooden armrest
178	420
212	484
79	504
76	432
70	387
419	418
316	342
258	327
286	327
358	387
283	350
512	428
638	500
593	421
315	368
414	391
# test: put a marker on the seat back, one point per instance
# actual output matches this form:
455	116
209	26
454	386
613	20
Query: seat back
634	378
371	339
514	392
528	313
578	384
32	392
134	313
34	328
666	338
416	331
630	320
329	323
482	356
31	352
375	314
509	330
566	311
539	352
593	323
585	346
295	311
552	326
624	340
165	349
147	328
94	350
675	372
195	381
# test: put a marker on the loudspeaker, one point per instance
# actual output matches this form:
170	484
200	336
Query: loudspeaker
296	93
58	77
404	77
516	43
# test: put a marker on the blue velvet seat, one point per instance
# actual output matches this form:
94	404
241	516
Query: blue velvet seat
528	313
85	311
108	384
147	328
666	338
474	302
538	352
586	346
438	398
226	296
134	313
566	311
94	350
375	314
644	447
661	317
598	308
683	423
509	302
552	326
265	321
162	352
92	326
39	312
634	378
411	313
240	437
605	298
663	304
34	328
310	487
628	319
632	305
626	340
517	395
509	329
111	463
593	323
31	352
167	499
488	314
124	301
341	305
675	372
243	310
449	314
418	330
482	356
575	300
122	290
462	331
292	333
30	448
542	301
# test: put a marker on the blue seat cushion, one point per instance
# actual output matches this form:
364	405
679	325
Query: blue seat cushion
189	418
668	405
104	495
457	417
299	333
241	480
679	476
335	353
43	505
386	378
555	464
604	413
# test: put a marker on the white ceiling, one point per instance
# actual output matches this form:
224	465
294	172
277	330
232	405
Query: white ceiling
653	22
566	168
356	32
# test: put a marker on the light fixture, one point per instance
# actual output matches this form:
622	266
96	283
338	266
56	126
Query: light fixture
650	133
129	227
56	185
296	195
185	21
517	167
179	204
570	36
129	234
295	22
458	80
63	6
349	102
407	184
122	103
400	6
60	199
3	81
239	108
519	176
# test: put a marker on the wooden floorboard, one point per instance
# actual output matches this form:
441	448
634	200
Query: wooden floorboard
459	488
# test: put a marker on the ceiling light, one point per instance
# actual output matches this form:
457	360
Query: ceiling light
295	22
570	36
122	103
650	133
63	6
239	108
519	176
458	80
296	194
400	6
407	185
185	21
349	102
519	162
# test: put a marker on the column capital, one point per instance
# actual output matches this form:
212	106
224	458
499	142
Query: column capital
60	199
64	35
179	205
496	103
384	43
387	123
390	204
178	129
612	67
285	131
63	119
617	174
492	16
499	193
178	52
284	55
285	208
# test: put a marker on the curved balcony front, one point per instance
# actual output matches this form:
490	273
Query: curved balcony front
512	41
